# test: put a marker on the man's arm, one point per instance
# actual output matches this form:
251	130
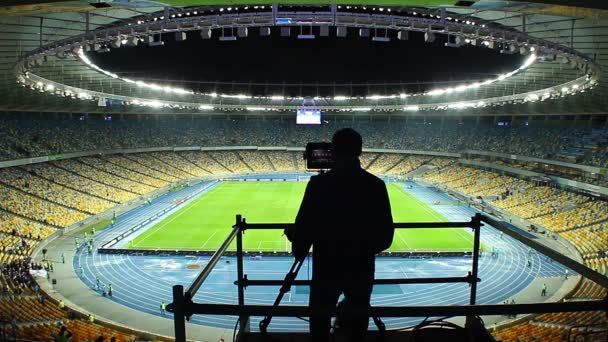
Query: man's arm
383	221
302	237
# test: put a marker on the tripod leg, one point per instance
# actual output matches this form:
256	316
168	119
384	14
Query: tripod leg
289	278
381	327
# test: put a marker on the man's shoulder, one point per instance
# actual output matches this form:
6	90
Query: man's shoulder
359	175
372	179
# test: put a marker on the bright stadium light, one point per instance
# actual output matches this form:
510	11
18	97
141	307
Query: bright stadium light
277	97
205	107
461	105
238	96
361	109
436	92
411	108
460	88
154	104
532	98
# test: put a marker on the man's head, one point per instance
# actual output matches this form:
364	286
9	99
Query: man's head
347	143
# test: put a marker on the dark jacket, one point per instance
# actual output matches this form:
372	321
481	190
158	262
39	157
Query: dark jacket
346	216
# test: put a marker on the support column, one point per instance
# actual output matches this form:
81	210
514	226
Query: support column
40	31
179	318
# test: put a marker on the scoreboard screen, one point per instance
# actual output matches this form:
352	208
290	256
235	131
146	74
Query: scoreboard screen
308	117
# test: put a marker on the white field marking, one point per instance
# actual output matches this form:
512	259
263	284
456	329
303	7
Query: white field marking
435	215
272	244
212	235
457	230
185	210
403	240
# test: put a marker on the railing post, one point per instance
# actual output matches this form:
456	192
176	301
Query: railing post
244	319
179	318
476	225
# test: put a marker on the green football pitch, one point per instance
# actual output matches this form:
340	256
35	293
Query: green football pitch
204	223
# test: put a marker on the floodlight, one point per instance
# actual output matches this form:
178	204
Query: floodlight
132	41
116	42
242	32
381	39
206	33
264	31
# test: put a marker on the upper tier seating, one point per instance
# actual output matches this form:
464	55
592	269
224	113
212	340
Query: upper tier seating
20	135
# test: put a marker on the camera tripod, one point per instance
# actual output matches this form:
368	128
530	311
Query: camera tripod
286	287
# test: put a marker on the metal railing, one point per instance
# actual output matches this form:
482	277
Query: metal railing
183	306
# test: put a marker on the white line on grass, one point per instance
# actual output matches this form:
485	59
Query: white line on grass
435	215
405	242
212	235
185	210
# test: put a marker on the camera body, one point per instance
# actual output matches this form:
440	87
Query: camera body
319	156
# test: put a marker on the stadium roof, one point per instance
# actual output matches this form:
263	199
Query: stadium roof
25	26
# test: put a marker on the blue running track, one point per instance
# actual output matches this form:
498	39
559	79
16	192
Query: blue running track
142	282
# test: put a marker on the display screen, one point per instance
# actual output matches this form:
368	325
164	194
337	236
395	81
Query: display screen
308	117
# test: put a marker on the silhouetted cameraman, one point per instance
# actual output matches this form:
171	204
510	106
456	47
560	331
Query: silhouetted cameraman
346	216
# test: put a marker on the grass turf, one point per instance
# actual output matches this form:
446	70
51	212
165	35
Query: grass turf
204	223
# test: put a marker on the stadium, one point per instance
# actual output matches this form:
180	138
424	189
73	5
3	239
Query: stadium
151	154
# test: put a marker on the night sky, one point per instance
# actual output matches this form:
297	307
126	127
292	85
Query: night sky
280	60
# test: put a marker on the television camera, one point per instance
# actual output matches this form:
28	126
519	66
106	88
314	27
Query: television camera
319	156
